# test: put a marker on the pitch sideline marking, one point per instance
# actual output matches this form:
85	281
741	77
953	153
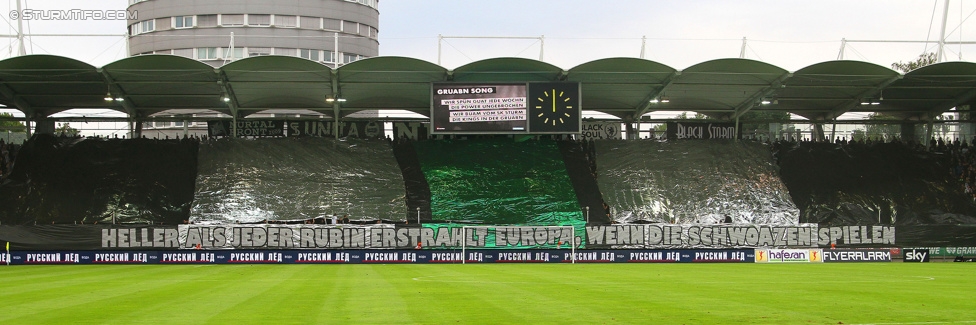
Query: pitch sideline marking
922	323
425	279
894	280
432	278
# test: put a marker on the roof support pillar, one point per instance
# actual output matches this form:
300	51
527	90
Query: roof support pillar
631	133
646	104
928	134
938	110
907	132
230	98
840	110
747	105
818	132
18	102
136	128
335	125
736	135
335	104
120	95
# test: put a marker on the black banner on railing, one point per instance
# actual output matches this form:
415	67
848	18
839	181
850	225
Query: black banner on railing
247	128
303	128
856	255
381	256
600	130
410	130
358	129
698	130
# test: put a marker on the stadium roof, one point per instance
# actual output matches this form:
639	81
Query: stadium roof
628	88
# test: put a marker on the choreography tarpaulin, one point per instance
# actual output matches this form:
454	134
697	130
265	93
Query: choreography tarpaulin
692	181
297	178
84	180
864	184
499	181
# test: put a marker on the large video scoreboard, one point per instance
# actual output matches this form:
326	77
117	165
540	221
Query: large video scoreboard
539	108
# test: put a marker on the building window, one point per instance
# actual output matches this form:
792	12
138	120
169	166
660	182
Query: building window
349	27
363	30
207	21
329	56
258	51
231	20
207	53
311	22
349	58
287	52
164	52
163	23
235	53
331	24
183	21
143	27
186	53
285	21
178	124
371	3
309	54
258	20
161	124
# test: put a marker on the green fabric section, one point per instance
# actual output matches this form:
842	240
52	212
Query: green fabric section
499	181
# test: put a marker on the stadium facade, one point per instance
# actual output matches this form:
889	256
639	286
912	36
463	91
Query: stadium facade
333	32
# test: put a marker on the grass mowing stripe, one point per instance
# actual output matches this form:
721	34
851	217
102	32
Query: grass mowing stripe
256	295
480	300
330	292
488	293
68	295
199	299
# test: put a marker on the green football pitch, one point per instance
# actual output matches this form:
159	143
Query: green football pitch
877	293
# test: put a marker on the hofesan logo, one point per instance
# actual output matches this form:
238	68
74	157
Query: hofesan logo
815	256
789	255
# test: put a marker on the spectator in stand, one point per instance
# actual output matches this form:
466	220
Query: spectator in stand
962	165
8	154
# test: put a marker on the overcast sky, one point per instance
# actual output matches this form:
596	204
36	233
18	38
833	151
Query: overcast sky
790	34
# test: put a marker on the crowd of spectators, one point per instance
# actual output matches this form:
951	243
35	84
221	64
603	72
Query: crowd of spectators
961	154
962	162
8	153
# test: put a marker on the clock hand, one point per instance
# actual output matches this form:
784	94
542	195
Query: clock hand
554	100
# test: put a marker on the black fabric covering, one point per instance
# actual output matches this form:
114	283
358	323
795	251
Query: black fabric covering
53	237
581	166
417	188
883	183
936	235
78	180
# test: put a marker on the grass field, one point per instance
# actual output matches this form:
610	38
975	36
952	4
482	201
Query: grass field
881	293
